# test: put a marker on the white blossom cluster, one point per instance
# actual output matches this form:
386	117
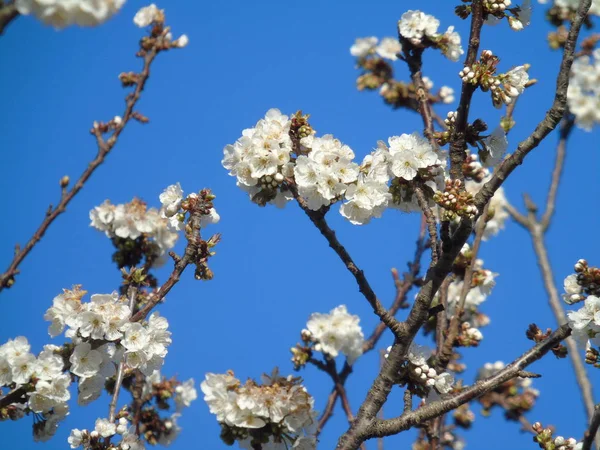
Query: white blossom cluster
406	157
132	220
171	199
420	371
149	15
388	48
572	5
18	367
260	159
62	13
324	170
325	173
335	333
416	26
105	318
279	409
583	96
104	429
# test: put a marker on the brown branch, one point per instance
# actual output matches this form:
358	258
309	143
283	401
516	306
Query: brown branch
104	148
402	289
431	224
435	409
8	13
15	396
318	219
592	431
551	119
189	256
458	142
383	383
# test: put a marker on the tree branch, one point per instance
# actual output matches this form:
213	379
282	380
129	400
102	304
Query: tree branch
8	13
551	119
592	431
318	219
104	148
435	409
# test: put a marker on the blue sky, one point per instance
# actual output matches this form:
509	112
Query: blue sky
272	268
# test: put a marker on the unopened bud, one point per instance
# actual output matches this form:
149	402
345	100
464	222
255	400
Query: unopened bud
64	181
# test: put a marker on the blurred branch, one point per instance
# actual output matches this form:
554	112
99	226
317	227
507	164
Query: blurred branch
8	13
537	230
592	432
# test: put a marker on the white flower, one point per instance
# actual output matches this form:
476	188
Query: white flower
414	25
572	290
171	199
337	332
136	337
443	383
77	438
182	41
90	389
524	15
104	428
62	13
146	15
495	147
49	365
363	46
587	319
389	48
418	354
446	94
85	362
516	79
185	394
23	367
5	372
14	348
452	48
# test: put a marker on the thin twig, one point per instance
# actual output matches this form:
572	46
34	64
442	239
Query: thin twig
104	148
318	219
